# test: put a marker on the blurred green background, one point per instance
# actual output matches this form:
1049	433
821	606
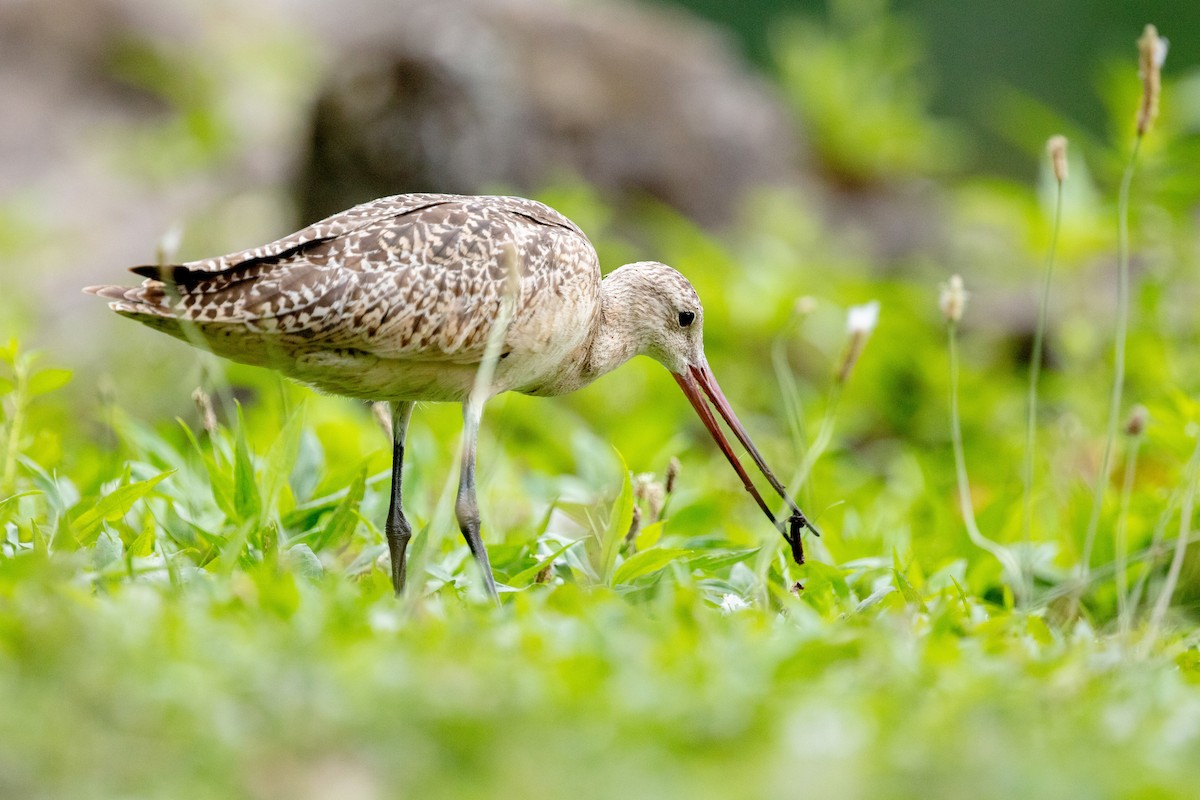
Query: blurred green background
201	611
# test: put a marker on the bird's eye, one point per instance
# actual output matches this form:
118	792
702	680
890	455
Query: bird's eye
686	318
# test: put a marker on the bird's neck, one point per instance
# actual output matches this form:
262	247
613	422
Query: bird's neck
609	343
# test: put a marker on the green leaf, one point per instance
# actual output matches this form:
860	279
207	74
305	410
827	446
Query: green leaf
719	559
305	561
218	480
647	562
8	505
648	536
14	497
1039	630
344	519
6	386
821	575
526	576
48	380
282	457
307	467
906	589
113	506
619	520
143	545
246	500
910	594
1189	665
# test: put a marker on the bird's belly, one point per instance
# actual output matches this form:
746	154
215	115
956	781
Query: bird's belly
366	376
354	373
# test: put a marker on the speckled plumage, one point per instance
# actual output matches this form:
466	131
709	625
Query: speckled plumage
390	300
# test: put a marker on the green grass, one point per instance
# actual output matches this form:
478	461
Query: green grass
203	613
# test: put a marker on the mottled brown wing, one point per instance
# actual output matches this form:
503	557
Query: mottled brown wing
330	228
424	280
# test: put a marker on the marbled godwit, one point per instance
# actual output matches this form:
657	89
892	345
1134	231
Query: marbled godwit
399	299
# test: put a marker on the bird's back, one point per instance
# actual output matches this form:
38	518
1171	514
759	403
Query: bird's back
392	299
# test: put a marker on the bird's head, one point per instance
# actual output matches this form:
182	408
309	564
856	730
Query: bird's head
666	314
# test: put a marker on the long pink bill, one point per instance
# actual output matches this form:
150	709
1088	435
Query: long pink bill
696	383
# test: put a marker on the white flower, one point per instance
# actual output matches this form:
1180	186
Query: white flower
953	298
862	319
731	603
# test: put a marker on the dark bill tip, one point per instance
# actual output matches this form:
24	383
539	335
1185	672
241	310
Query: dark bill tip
697	383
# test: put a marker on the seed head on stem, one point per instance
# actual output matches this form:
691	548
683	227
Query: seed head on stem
953	299
1138	417
1056	146
1152	52
860	321
204	407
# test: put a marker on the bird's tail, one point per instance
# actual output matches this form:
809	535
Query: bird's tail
149	304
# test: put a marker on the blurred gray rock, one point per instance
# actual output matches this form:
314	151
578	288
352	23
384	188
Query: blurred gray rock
480	95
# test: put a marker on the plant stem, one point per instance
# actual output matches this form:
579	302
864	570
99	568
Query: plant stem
1001	553
1150	554
12	443
1181	544
1114	405
793	406
820	441
1035	368
1120	542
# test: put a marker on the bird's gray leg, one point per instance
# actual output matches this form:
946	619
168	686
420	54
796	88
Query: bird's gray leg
466	509
397	528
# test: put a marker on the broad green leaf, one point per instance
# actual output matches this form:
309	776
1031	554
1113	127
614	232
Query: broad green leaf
143	545
113	506
647	562
48	380
6	386
306	561
648	536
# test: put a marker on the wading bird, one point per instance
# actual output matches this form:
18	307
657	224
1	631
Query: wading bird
443	298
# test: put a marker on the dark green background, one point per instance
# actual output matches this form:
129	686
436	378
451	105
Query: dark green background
1054	51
